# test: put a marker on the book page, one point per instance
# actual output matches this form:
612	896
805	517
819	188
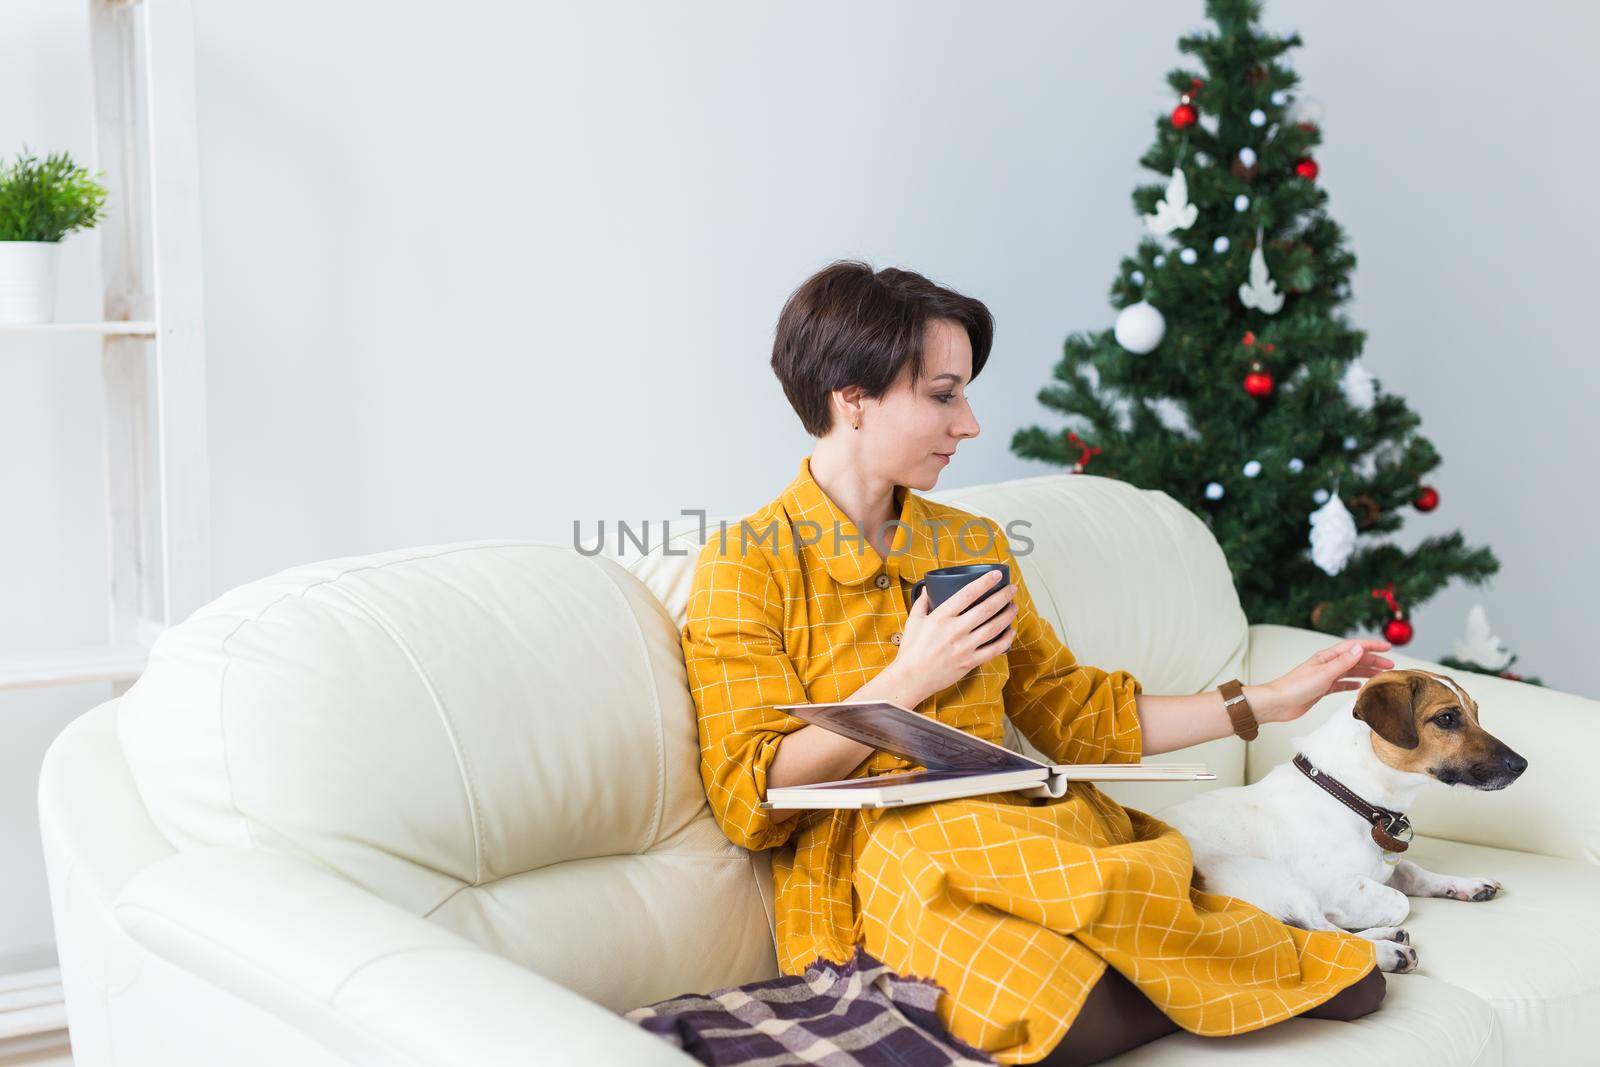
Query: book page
914	736
882	781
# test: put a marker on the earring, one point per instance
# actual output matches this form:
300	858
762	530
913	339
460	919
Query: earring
855	425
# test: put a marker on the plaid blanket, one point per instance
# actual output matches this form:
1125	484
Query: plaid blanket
858	1015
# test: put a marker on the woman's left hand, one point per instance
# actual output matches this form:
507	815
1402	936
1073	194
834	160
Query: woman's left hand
1336	669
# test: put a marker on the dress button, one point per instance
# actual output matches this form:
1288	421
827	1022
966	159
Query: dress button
894	638
883	581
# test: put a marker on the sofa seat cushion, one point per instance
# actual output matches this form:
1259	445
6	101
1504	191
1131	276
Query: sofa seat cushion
1532	953
1422	1022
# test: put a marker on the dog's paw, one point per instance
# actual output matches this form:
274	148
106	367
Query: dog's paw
1395	958
1398	934
1475	889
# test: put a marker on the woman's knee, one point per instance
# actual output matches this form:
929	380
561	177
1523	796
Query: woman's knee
1114	1018
1374	986
1355	1000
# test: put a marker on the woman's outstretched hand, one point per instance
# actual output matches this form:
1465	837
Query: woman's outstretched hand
1336	669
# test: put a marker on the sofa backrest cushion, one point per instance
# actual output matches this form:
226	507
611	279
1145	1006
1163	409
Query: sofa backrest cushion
497	735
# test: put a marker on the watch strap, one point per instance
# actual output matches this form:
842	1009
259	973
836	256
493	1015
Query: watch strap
1233	699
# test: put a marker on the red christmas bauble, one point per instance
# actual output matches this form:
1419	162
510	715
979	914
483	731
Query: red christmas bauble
1427	498
1249	337
1307	168
1184	116
1397	631
1258	383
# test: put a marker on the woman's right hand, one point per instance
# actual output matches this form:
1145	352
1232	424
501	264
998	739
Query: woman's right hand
942	646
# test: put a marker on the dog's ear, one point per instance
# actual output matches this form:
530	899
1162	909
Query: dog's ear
1386	705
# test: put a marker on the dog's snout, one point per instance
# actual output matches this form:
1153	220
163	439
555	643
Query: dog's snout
1501	769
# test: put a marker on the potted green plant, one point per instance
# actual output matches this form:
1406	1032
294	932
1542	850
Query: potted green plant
40	203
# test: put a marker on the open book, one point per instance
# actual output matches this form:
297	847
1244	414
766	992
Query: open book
958	764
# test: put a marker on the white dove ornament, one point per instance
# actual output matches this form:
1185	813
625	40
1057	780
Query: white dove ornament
1173	212
1260	292
1359	387
1480	645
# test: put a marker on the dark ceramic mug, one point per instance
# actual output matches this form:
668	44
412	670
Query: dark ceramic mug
943	582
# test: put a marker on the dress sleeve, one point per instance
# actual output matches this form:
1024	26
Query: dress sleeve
1071	712
733	647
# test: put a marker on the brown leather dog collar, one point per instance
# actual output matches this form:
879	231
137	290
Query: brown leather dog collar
1387	826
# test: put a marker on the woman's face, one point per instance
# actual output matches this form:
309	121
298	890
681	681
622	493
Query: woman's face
908	436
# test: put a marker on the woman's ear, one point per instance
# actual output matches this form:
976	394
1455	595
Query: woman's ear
847	405
1388	705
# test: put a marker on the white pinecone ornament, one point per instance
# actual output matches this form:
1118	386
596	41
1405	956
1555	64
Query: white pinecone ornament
1333	535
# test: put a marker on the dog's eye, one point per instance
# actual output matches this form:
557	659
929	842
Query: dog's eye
1447	719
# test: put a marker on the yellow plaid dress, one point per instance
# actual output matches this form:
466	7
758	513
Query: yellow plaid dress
1015	909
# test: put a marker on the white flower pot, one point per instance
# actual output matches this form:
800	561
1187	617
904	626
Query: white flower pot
28	281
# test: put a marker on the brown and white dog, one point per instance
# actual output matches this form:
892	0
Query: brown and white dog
1295	850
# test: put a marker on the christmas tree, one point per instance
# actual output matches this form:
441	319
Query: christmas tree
1232	381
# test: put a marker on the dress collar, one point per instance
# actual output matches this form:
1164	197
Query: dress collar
850	558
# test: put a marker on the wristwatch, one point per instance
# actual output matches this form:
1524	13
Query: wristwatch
1244	720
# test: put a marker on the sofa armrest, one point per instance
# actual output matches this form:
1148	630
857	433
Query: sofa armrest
369	980
1553	809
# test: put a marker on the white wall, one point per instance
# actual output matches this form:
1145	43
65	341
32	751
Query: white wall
478	270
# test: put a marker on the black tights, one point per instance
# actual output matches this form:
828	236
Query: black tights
1117	1017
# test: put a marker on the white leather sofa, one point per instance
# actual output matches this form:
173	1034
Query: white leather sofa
441	806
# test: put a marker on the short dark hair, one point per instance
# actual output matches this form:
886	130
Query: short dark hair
846	325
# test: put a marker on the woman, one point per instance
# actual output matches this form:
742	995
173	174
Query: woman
1060	933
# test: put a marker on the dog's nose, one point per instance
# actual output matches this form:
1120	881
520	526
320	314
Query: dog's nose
1515	763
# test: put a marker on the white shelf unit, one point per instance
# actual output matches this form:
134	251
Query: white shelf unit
153	373
152	344
31	1008
56	329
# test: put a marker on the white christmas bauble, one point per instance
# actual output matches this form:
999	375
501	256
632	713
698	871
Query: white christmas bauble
1320	496
1296	465
1137	277
1201	158
1214	491
1247	156
1258	117
1188	255
1350	443
1139	327
1252	469
1241	202
1220	244
1159	261
1279	97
